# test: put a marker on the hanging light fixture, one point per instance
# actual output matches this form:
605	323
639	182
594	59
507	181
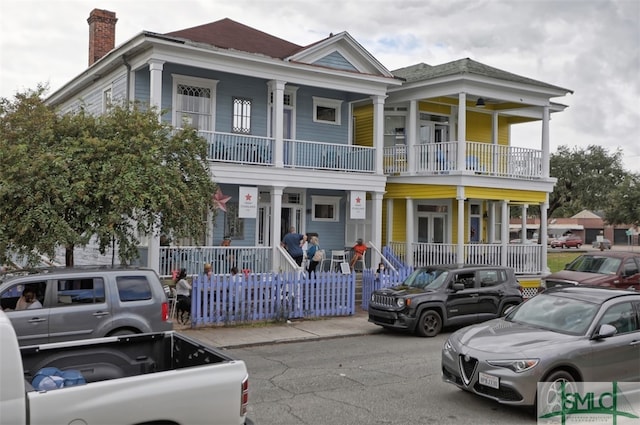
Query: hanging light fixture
480	103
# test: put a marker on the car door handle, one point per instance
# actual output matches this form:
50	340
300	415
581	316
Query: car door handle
101	313
474	295
37	320
634	342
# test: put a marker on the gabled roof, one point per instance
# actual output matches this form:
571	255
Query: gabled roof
229	34
422	72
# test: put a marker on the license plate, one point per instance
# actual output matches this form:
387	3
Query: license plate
489	380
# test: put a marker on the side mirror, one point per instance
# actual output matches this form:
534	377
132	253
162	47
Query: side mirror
458	287
605	331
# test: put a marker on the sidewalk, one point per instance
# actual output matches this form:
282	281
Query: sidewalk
274	333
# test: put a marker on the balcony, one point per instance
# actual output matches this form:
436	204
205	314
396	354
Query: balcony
481	159
255	150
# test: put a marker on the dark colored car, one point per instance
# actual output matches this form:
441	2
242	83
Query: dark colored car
560	337
437	296
567	242
614	269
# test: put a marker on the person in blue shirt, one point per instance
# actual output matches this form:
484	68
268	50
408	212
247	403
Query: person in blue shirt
292	242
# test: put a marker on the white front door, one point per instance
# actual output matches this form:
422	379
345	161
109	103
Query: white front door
431	227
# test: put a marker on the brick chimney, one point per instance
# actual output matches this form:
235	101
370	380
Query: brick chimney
102	33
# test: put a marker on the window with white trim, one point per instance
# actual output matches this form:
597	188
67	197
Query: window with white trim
193	102
325	208
241	115
106	100
327	111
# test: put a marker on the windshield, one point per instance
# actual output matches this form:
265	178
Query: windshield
426	278
555	313
595	264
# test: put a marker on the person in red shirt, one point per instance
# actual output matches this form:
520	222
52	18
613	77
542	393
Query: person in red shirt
358	251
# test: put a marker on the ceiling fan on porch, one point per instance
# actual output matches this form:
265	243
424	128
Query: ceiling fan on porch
481	102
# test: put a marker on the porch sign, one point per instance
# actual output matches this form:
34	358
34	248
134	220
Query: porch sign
358	205
248	202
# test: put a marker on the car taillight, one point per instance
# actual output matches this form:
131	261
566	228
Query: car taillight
244	396
165	311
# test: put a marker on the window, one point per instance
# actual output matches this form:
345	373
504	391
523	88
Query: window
193	102
490	277
233	225
106	100
622	317
81	291
327	111
241	115
133	288
325	208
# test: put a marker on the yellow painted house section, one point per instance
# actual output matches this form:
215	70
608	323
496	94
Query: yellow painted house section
511	195
419	191
479	128
363	125
434	108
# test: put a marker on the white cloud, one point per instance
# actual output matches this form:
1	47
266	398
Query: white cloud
589	46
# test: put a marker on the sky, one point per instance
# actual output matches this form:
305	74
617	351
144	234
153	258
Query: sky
591	47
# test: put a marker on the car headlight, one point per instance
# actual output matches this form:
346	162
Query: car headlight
400	302
447	345
518	366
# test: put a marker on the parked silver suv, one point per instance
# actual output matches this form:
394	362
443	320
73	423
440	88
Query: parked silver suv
78	303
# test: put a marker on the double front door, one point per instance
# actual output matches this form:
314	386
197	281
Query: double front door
290	215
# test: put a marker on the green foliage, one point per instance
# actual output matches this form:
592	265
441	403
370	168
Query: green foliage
586	178
67	178
557	260
623	205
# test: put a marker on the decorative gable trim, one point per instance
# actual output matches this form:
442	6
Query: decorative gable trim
335	60
347	47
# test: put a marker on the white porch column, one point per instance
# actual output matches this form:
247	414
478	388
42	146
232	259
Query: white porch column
155	99
378	132
410	232
277	126
494	140
523	230
376	230
491	231
504	237
276	224
545	142
543	236
462	131
389	221
460	241
411	132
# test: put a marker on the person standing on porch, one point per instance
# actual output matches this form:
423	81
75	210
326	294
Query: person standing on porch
314	259
292	242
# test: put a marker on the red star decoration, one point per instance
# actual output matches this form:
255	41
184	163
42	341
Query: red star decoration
247	197
220	200
358	199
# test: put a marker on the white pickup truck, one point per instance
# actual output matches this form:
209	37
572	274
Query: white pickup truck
156	378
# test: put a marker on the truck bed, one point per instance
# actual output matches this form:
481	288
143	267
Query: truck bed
119	357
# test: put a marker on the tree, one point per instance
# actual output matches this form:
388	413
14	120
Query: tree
118	176
586	177
623	206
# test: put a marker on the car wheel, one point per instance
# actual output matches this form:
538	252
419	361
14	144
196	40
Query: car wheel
550	399
578	246
564	246
430	324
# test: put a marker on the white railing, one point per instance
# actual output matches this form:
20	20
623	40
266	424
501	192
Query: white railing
222	259
524	259
436	158
480	158
328	156
287	263
231	147
394	160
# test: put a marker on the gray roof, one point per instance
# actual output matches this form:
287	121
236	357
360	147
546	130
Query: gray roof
424	72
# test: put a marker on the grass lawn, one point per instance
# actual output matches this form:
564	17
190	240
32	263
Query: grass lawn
557	260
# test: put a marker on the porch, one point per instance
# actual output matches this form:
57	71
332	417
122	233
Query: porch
433	158
525	259
480	158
